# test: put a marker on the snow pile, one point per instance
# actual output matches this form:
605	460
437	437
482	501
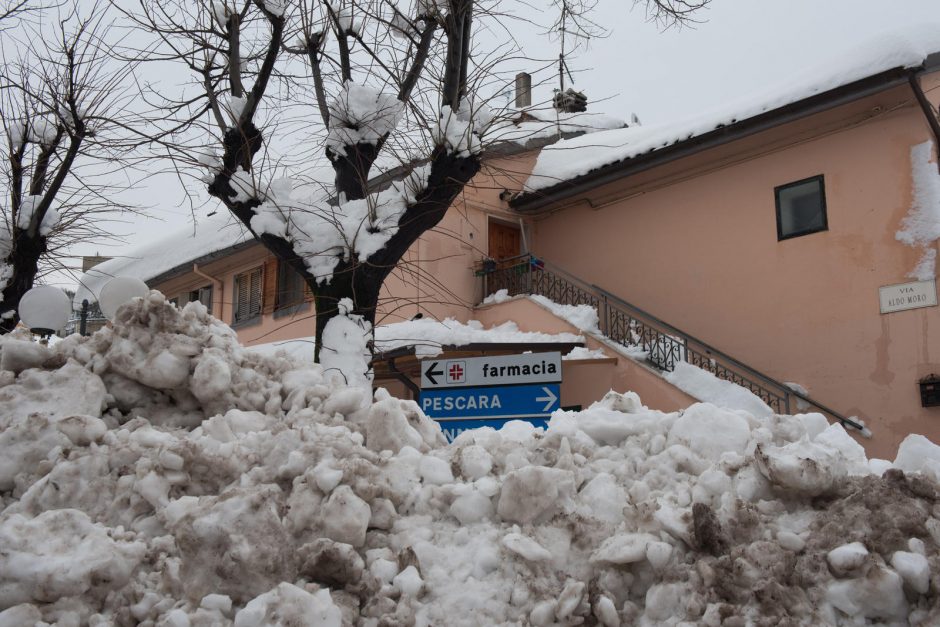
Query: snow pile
583	317
428	336
571	158
920	228
197	240
177	479
705	386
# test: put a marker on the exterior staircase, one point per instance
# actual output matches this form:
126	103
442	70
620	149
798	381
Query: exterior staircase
663	344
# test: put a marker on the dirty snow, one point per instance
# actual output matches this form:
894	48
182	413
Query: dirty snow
164	496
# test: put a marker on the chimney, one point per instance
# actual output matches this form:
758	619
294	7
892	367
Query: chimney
523	90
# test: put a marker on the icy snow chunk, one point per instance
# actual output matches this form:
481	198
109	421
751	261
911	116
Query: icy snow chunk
604	498
802	466
918	454
435	471
530	492
814	423
287	605
326	476
18	355
472	507
606	612
879	594
790	541
21	615
70	390
627	403
60	553
218	602
710	431
658	554
847	557
393	424
475	462
914	569
623	548
569	599
212	376
408	581
526	547
344	517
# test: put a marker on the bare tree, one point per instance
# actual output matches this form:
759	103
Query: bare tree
61	104
392	82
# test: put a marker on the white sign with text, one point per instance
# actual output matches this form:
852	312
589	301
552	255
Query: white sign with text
486	371
908	296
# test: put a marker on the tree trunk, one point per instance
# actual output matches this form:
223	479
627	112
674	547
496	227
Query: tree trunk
25	261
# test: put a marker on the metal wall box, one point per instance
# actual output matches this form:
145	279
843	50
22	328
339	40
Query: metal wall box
930	391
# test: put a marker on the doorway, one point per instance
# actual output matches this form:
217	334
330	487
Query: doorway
505	240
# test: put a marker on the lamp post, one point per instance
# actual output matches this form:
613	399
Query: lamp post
44	309
118	291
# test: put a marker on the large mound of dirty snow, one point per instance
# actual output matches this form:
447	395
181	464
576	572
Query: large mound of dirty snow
160	474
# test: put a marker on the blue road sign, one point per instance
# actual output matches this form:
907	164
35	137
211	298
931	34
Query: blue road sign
453	428
490	406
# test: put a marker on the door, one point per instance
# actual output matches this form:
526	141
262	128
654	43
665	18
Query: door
505	240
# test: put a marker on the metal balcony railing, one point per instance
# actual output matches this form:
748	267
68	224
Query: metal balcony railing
663	344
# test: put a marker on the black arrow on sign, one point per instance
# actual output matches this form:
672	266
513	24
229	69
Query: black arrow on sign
430	373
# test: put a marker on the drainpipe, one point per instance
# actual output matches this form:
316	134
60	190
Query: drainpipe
927	108
218	286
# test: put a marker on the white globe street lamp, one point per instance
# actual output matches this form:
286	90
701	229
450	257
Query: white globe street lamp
118	291
45	309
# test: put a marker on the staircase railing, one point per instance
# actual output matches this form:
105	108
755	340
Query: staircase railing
662	344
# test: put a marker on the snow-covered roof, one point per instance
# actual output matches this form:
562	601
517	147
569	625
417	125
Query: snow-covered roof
427	336
571	158
188	245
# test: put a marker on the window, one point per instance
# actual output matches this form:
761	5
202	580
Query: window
290	289
247	306
203	295
801	208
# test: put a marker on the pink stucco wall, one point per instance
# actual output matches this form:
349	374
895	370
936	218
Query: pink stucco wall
699	249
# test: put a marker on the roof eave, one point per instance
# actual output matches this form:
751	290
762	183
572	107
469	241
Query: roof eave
533	202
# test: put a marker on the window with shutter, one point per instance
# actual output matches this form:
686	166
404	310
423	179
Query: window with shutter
247	306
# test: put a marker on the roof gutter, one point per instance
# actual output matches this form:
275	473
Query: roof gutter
533	202
929	113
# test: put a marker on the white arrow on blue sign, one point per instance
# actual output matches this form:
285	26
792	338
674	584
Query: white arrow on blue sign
515	401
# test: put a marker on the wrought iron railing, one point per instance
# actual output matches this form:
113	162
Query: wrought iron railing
662	344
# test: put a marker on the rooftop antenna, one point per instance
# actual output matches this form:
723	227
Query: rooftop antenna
569	100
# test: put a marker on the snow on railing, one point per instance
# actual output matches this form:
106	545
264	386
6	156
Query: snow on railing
636	329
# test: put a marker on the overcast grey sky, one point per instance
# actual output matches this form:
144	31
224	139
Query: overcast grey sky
739	46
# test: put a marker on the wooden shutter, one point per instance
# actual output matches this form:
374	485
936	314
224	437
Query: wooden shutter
254	295
240	309
270	285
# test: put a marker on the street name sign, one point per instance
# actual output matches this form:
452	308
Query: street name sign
904	296
478	392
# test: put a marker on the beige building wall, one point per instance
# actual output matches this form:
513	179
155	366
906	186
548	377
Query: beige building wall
695	243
